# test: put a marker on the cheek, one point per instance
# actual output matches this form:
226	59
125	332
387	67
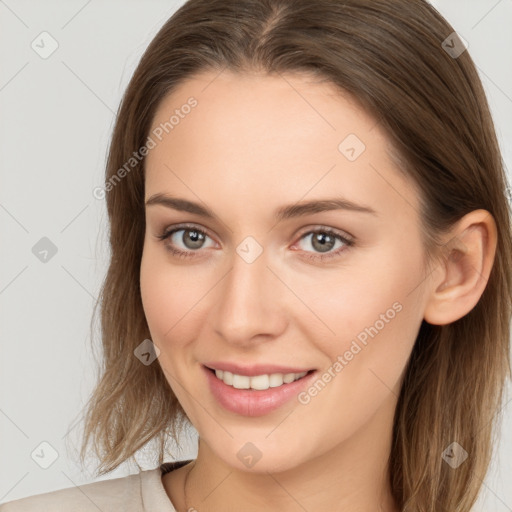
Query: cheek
375	333
171	298
375	311
161	295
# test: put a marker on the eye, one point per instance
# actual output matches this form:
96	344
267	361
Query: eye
191	238
324	240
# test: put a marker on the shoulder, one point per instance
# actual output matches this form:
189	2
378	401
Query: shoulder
106	495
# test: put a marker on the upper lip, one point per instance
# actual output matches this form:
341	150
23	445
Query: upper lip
254	369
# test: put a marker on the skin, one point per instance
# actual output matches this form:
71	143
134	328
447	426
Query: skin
246	131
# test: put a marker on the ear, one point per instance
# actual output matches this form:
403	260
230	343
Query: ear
459	280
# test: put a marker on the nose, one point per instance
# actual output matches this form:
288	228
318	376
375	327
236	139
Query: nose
250	303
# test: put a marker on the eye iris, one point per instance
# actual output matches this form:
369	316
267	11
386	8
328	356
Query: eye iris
196	237
325	240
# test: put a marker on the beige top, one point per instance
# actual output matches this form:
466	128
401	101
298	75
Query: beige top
141	492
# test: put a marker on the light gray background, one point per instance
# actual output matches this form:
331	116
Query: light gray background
56	118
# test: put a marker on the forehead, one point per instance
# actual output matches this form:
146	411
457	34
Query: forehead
260	106
265	136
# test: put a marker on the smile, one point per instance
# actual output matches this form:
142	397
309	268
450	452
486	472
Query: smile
258	382
257	394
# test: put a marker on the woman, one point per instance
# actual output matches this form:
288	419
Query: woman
310	263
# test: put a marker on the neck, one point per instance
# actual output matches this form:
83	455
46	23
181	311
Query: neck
352	476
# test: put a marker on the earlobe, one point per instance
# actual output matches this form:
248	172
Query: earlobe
461	276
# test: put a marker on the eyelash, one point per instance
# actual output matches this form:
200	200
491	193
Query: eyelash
349	242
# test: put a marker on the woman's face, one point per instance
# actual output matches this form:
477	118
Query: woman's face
261	292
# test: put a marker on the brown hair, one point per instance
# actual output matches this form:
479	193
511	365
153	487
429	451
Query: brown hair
387	54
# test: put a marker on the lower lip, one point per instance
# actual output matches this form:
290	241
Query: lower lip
252	402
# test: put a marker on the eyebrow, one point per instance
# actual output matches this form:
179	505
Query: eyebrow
283	213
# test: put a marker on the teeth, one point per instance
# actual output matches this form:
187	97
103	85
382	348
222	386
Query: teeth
259	382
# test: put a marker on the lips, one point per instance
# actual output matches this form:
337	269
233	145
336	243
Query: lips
252	402
255	369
